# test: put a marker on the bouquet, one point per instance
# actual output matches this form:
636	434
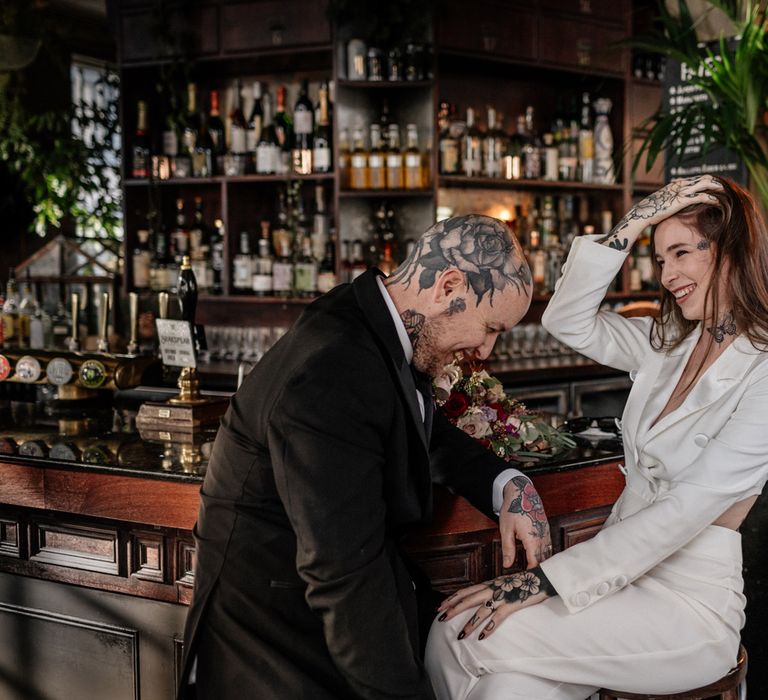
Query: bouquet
478	405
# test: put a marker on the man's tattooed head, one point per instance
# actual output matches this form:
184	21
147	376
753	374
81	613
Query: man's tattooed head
481	247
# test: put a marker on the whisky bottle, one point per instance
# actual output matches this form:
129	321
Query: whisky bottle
531	148
200	248
180	234
242	265
284	133
267	148
11	313
216	126
345	157
586	142
140	157
26	309
493	147
386	262
238	126
449	145
321	147
305	269
262	271
191	121
217	257
394	159
357	263
303	131
141	259
413	169
472	153
253	127
326	276
358	170
512	162
282	268
377	169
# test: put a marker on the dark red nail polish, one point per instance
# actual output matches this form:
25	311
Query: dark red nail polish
461	635
442	617
482	635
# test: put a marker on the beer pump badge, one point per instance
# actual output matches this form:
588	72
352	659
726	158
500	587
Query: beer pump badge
28	369
59	371
5	368
92	374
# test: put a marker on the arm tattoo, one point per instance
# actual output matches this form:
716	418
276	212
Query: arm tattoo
414	324
727	326
650	206
479	246
528	502
456	306
520	586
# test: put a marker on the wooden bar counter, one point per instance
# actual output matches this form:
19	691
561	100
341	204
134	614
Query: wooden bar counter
97	554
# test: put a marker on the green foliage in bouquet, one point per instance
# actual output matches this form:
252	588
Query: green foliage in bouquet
477	404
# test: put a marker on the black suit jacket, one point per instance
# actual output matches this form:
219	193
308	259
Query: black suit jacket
320	465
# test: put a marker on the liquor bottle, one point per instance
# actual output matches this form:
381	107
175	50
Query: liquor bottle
180	233
199	249
538	262
159	275
386	262
254	126
358	162
203	156
326	276
61	322
26	309
216	126
217	257
191	121
187	293
282	268
548	222
569	160
472	152
551	158
586	142
321	224
242	264
644	263
413	168
284	133
238	128
141	260
394	159
267	148
303	130
345	159
603	143
171	134
512	162
262	269
40	327
321	148
357	263
11	313
305	269
140	157
449	144
531	148
377	165
493	146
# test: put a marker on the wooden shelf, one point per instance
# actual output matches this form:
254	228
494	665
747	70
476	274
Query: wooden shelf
253	299
218	179
500	183
384	84
384	194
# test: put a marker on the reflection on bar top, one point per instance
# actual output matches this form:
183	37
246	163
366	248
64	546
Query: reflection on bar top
100	439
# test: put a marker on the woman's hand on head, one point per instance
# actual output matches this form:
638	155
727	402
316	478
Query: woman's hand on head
660	205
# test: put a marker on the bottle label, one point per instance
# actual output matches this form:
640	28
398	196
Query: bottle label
375	160
237	137
412	160
170	143
326	281
59	371
302	122
243	273
358	161
282	276
266	158
322	159
449	157
305	277
9	328
141	263
262	283
217	256
394	160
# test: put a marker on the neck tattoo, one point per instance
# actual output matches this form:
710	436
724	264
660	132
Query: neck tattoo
414	324
727	326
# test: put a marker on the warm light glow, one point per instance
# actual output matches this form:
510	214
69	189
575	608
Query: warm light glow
505	215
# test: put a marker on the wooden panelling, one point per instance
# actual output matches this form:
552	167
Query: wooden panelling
185	563
614	11
273	24
497	29
10	538
90	548
22	486
578	527
580	45
148	559
453	567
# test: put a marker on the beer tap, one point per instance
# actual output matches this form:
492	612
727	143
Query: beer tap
73	345
102	345
133	312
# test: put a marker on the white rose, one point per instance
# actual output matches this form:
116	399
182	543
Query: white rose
474	423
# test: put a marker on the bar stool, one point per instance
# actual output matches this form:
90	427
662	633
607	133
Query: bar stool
727	688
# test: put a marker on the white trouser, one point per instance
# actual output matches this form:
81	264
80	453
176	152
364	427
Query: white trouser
673	629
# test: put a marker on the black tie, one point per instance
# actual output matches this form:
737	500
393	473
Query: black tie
424	385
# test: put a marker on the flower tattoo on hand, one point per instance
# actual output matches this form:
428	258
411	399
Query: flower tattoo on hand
528	502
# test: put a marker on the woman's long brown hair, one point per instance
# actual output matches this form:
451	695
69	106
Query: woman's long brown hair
736	231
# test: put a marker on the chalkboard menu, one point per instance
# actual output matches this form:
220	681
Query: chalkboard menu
680	93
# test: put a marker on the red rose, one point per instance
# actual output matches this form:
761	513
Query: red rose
456	404
501	414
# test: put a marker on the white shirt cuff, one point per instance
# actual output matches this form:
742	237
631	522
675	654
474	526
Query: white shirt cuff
498	487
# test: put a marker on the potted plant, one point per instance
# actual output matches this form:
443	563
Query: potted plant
736	83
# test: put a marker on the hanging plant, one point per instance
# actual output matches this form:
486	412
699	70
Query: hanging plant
736	82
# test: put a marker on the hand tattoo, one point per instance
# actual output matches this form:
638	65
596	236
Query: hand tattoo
528	502
520	586
727	326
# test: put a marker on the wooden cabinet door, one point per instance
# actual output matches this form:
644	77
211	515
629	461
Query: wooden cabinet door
272	24
614	11
568	530
579	45
486	27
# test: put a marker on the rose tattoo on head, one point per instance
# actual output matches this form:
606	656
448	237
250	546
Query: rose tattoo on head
479	246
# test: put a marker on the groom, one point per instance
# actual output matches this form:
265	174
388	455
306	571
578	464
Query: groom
323	461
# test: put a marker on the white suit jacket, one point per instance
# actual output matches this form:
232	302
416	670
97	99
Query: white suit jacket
687	469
